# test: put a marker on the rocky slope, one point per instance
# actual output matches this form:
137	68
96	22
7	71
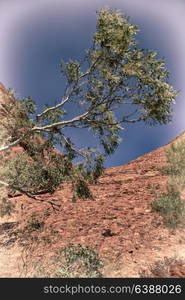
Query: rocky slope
118	223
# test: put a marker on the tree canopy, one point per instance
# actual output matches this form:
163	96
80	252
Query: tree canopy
117	82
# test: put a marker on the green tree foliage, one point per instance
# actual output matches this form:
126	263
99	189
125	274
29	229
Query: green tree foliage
117	82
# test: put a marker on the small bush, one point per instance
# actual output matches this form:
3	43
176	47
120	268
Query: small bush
34	224
176	163
73	261
79	261
81	190
170	206
166	268
6	207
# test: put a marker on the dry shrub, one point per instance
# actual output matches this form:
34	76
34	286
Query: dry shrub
169	267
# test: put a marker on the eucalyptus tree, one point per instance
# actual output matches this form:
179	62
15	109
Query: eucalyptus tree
116	83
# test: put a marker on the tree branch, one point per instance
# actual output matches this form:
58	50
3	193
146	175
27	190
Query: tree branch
4	183
53	107
15	143
75	150
91	67
68	96
17	189
133	121
44	128
29	195
60	124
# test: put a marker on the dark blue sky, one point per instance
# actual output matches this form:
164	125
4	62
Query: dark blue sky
36	35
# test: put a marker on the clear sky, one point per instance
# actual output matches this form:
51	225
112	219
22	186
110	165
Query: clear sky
36	34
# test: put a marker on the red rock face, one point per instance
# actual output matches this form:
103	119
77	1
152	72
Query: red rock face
118	223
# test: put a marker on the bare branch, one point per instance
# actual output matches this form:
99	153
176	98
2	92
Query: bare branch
17	188
105	123
133	121
91	67
44	128
4	183
130	114
59	105
74	149
29	195
15	143
61	124
70	93
53	107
